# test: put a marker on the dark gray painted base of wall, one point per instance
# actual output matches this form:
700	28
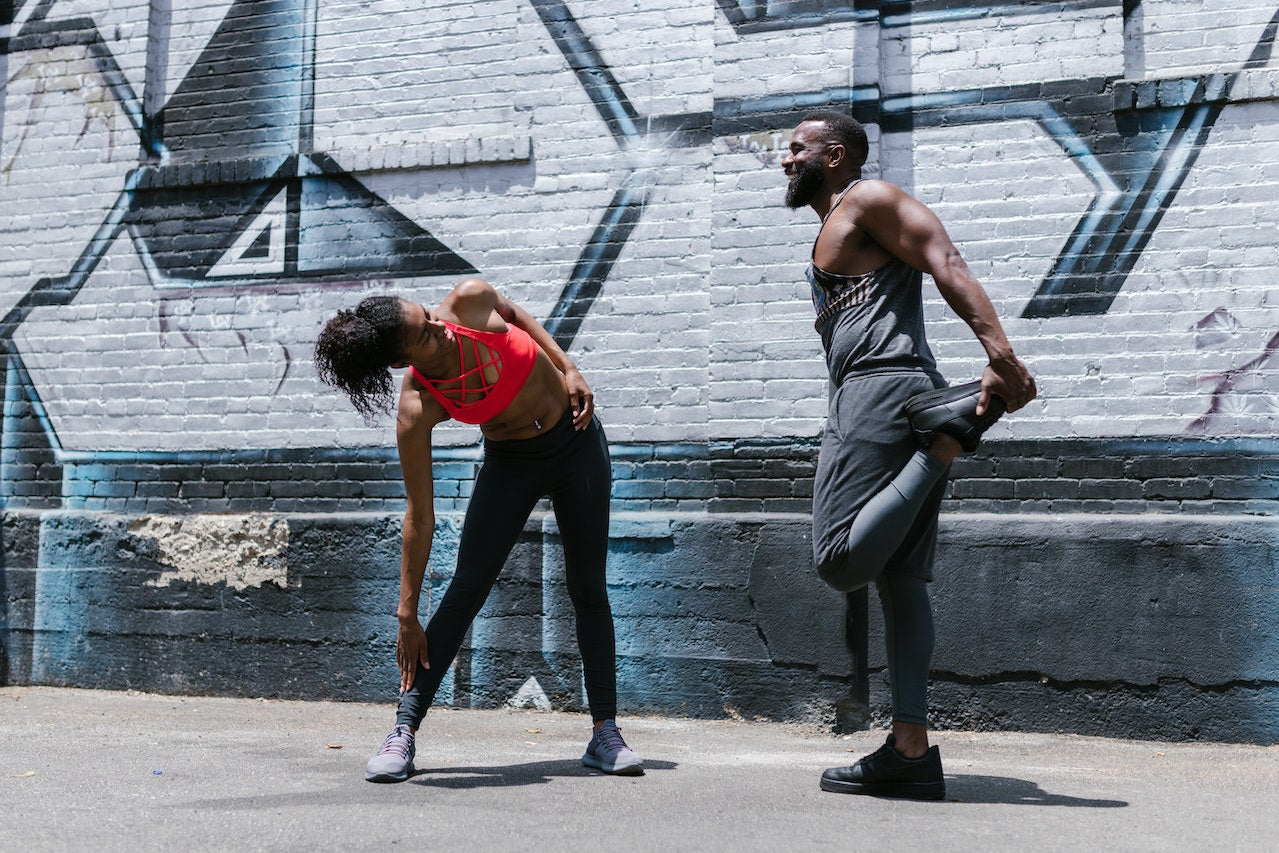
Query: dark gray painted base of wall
1148	626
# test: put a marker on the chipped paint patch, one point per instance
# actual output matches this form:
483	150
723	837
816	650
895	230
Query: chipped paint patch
241	551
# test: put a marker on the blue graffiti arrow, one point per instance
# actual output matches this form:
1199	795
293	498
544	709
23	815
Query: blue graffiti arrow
1107	242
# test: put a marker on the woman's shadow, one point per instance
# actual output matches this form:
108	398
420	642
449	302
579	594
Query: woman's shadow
1006	790
531	773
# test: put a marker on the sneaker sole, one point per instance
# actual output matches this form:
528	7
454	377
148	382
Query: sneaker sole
902	790
945	399
389	777
612	769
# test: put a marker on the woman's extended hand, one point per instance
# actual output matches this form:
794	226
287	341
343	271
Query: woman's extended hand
410	650
580	399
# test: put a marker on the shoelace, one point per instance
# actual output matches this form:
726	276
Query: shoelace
610	737
397	742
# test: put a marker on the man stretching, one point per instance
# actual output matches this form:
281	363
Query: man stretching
893	427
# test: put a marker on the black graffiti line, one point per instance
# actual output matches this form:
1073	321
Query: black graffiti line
771	112
83	32
60	290
26	386
592	72
889	13
813	13
936	11
39	13
597	259
595	263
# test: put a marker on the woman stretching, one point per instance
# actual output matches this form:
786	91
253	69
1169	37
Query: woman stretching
481	359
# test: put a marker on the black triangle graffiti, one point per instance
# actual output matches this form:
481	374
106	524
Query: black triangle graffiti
237	131
260	247
335	228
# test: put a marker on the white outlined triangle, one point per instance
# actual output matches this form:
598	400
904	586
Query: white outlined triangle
271	221
530	695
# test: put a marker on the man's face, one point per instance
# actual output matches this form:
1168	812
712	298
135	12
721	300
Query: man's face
805	164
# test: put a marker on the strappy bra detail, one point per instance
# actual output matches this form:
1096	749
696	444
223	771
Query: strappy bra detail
511	354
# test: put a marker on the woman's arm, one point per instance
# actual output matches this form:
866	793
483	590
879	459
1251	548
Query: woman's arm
413	426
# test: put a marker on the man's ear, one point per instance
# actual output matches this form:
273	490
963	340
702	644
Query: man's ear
836	154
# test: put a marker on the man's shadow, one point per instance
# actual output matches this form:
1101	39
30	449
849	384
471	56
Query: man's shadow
531	773
1005	790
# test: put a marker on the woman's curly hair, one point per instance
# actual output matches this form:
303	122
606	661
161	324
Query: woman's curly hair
356	350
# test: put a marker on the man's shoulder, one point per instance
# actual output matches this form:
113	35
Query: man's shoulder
871	199
875	191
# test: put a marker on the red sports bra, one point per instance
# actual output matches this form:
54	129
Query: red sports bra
512	353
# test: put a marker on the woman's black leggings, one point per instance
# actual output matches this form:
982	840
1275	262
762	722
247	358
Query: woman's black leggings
572	468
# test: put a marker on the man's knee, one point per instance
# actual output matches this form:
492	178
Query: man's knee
840	574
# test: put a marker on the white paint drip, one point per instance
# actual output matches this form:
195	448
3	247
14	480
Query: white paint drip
241	551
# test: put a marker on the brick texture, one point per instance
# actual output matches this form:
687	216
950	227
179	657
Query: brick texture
188	191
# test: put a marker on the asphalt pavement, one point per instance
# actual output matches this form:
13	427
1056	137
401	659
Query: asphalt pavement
122	771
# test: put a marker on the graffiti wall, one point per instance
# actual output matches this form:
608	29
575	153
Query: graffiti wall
190	189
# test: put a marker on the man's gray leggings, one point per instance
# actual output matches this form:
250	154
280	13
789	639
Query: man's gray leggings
882	524
879	530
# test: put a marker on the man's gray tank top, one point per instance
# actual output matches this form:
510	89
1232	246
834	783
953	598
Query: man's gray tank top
872	322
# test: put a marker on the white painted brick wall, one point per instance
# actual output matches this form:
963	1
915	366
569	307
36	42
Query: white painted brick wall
1004	50
1190	36
467	118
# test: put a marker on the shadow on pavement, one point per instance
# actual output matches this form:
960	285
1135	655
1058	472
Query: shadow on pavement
1009	791
532	773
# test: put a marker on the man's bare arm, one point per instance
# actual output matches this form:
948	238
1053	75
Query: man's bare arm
907	229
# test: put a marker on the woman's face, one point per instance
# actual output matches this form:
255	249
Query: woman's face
426	338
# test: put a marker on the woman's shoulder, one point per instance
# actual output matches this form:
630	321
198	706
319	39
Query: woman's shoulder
473	303
417	409
473	290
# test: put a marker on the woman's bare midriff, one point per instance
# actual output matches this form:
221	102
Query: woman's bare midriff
538	407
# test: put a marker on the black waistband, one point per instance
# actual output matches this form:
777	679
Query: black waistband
547	441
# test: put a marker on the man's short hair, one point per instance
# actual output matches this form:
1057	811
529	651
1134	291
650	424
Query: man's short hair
845	130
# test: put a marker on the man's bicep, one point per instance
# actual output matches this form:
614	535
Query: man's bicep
921	239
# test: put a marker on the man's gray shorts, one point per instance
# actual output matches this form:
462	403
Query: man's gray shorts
866	443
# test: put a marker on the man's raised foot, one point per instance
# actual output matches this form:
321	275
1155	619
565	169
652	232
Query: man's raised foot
952	411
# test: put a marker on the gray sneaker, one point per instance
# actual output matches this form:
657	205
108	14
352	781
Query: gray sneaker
609	753
394	761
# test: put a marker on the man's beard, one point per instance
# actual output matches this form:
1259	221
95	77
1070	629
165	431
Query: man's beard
805	184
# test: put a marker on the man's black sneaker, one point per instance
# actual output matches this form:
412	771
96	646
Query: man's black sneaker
954	412
888	773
